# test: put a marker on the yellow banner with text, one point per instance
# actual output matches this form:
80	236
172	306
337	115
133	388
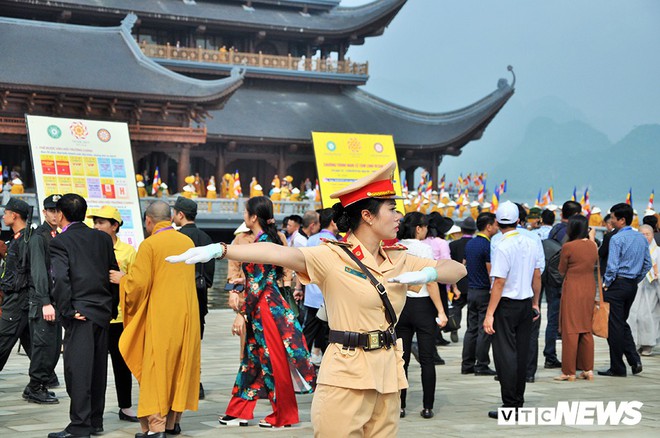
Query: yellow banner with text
342	158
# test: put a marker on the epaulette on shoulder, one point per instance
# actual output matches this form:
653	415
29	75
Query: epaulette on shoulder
336	242
395	247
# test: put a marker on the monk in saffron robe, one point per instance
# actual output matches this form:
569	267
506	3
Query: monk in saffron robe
161	338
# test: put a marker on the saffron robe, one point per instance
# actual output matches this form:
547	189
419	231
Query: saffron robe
161	340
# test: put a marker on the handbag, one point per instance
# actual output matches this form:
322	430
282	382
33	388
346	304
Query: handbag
601	315
453	319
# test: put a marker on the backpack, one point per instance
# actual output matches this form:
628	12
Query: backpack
551	275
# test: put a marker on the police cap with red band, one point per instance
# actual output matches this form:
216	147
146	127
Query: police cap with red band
379	185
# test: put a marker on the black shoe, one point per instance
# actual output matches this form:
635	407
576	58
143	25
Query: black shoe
175	431
126	417
454	336
414	349
41	396
65	434
426	413
636	369
155	435
402	413
441	341
552	364
97	430
437	360
470	371
486	372
201	391
530	379
27	389
492	414
609	373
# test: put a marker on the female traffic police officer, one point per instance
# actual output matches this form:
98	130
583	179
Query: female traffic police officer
361	373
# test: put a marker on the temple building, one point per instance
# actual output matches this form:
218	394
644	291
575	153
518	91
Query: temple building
215	86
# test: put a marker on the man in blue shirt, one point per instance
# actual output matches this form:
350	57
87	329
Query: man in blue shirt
627	264
476	343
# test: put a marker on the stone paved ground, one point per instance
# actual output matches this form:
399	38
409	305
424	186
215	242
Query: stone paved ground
461	405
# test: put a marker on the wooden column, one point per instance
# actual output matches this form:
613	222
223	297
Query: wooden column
219	166
183	169
410	177
281	165
434	170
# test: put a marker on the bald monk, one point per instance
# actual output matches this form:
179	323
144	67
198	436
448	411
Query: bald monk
161	339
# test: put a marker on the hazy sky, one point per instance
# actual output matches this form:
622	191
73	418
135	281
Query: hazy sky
599	56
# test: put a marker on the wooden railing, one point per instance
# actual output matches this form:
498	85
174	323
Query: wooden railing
254	59
168	133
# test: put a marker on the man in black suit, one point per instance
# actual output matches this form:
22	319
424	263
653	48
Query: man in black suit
81	259
185	212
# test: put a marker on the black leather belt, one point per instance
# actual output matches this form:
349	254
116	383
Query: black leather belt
367	341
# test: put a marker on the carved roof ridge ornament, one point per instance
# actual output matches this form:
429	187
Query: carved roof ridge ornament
129	21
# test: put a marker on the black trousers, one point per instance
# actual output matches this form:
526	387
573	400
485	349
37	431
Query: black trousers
533	353
315	330
46	345
123	377
418	317
476	342
621	295
13	326
513	324
85	373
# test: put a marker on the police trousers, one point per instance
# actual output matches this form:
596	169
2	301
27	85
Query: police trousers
354	413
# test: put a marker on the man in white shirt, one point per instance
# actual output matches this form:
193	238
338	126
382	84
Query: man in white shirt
514	304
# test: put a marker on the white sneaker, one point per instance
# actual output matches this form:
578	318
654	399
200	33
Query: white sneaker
228	420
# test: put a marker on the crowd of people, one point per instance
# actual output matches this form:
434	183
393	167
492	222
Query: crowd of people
336	303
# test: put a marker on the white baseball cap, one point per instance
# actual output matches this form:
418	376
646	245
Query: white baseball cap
507	213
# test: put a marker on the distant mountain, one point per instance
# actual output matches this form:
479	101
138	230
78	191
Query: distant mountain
557	146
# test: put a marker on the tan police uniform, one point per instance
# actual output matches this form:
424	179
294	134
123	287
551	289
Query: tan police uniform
357	391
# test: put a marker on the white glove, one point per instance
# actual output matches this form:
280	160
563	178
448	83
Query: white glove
200	254
424	276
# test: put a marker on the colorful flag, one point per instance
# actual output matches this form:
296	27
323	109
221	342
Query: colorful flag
629	197
237	185
480	195
1	176
586	205
574	197
404	189
422	183
442	183
648	207
429	188
495	202
504	186
155	184
538	202
551	195
460	180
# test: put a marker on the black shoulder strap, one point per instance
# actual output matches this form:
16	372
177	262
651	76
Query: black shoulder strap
390	315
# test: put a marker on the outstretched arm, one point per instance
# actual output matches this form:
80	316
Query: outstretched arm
445	271
261	253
